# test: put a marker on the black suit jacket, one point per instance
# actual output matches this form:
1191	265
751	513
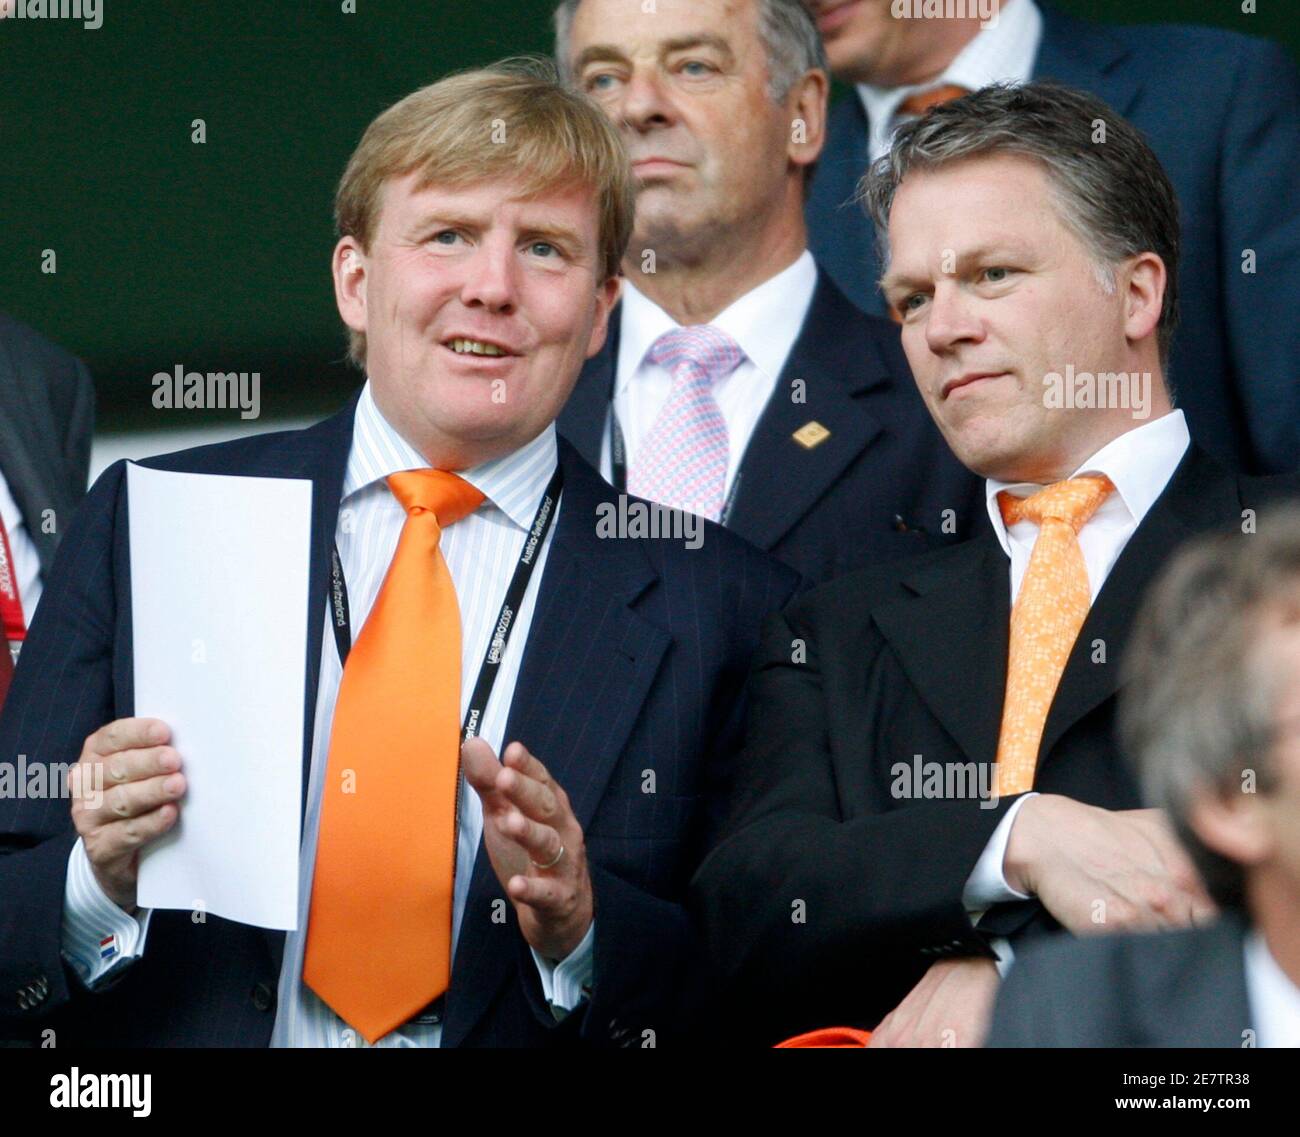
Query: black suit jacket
829	894
1181	988
635	661
1222	112
47	412
832	509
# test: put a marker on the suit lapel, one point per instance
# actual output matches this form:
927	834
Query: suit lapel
780	480
1086	55
35	486
588	665
951	638
1200	496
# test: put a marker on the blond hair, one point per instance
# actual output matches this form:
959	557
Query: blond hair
513	121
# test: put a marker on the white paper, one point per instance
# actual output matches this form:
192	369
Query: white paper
219	571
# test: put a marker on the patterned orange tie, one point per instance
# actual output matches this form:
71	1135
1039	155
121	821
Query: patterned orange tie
915	105
1049	611
379	931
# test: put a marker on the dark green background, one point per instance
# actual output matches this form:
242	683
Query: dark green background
216	256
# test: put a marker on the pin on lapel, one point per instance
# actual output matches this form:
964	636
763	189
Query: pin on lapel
811	434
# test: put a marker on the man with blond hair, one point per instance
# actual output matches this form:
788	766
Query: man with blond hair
477	591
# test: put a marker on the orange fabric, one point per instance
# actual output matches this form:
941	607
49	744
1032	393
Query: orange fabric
827	1038
1049	611
379	930
922	101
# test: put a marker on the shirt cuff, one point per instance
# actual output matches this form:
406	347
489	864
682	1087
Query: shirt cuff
987	884
98	937
567	983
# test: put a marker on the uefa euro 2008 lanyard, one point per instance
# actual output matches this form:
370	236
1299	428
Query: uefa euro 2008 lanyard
505	622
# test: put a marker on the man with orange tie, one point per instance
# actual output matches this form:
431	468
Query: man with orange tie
463	587
931	774
1234	164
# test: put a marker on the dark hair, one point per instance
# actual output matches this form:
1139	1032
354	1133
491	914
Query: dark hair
1108	183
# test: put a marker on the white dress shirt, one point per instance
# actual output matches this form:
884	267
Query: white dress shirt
1139	463
1274	998
27	561
481	551
1003	52
765	322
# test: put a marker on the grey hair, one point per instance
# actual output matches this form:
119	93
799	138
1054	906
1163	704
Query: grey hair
787	27
1108	185
1199	703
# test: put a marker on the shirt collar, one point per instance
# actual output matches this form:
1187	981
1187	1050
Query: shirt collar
1002	52
765	322
1139	463
514	483
1274	998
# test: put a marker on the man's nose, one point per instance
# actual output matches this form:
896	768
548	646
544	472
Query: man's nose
644	103
490	277
952	317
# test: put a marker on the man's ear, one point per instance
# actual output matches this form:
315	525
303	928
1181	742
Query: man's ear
349	267
606	297
1232	823
1145	278
807	103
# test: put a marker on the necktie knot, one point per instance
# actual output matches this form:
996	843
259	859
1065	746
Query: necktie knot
1073	501
446	496
698	355
921	101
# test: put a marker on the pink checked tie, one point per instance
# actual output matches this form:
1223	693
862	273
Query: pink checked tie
682	462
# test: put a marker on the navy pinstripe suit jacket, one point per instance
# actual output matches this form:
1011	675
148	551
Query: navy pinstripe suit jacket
635	661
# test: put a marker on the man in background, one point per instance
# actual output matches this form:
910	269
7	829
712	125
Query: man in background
1211	719
1221	111
737	381
47	411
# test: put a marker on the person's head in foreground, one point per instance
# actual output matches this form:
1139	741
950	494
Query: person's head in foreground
1029	239
1212	717
481	223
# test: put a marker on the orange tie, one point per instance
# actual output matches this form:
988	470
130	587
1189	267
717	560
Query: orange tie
379	930
1045	621
922	101
915	105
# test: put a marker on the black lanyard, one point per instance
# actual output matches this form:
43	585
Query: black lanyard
505	622
618	467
